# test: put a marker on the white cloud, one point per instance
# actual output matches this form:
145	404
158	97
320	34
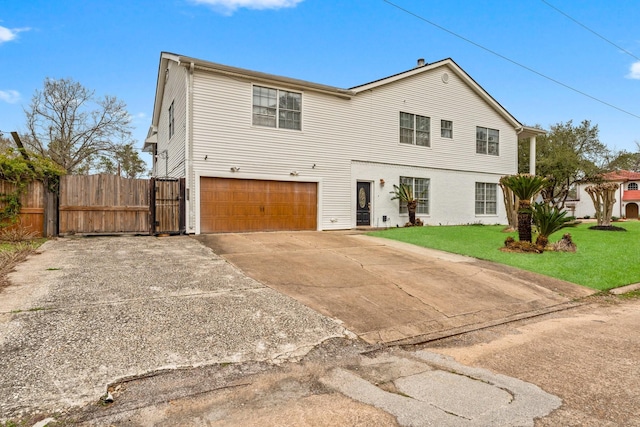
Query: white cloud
8	34
230	6
634	73
10	96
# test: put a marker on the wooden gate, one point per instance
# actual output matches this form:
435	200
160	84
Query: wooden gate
103	204
167	205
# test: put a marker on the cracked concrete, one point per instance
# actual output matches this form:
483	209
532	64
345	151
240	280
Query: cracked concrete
86	312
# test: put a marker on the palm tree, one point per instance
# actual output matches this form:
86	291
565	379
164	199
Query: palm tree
525	187
548	220
404	193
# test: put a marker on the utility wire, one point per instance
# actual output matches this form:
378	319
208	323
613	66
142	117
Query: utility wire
493	52
590	30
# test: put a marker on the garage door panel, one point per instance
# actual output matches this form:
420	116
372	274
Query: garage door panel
235	205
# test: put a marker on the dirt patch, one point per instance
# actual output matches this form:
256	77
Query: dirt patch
9	259
607	228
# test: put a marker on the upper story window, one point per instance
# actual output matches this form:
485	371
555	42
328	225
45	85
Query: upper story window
172	128
487	141
414	129
446	128
277	108
632	186
420	188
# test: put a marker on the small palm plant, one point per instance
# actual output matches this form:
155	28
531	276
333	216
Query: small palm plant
525	187
404	193
548	220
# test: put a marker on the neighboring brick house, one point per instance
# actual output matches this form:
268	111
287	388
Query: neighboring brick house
627	199
266	152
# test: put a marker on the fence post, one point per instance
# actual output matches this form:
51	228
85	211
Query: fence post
50	226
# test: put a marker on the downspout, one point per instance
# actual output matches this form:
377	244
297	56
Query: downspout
189	151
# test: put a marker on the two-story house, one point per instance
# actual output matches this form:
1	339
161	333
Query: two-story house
266	152
627	197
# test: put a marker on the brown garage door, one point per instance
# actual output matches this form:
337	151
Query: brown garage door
231	205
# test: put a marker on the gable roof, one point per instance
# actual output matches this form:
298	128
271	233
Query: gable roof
194	63
457	70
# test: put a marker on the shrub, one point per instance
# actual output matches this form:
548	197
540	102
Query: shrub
17	233
548	220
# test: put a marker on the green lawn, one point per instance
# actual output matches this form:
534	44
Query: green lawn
604	260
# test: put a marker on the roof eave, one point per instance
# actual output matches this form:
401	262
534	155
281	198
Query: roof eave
455	68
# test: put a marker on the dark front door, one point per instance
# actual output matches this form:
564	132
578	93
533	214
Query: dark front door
631	211
363	203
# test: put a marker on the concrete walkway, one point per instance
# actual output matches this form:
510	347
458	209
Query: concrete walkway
387	291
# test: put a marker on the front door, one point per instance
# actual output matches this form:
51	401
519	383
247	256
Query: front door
363	203
631	211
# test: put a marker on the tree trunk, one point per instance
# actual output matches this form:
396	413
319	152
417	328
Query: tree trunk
603	197
524	221
411	207
511	203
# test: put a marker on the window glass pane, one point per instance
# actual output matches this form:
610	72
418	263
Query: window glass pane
481	147
491	208
263	116
289	120
407	181
422	138
406	136
422	123
486	198
490	191
406	120
446	128
494	135
422	194
481	134
406	128
632	186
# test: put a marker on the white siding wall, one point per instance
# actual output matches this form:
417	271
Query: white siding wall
347	141
175	90
451	194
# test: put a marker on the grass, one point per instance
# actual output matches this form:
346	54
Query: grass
604	260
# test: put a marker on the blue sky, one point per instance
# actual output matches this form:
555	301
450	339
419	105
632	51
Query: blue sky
114	48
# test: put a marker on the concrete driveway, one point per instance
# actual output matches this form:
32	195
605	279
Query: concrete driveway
87	312
178	336
387	291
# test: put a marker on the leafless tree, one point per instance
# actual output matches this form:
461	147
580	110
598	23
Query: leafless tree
69	125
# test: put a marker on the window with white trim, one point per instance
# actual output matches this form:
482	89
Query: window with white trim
632	186
486	198
414	129
420	188
277	108
172	128
446	128
487	141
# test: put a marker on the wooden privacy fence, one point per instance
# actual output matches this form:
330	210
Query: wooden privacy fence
103	204
33	201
